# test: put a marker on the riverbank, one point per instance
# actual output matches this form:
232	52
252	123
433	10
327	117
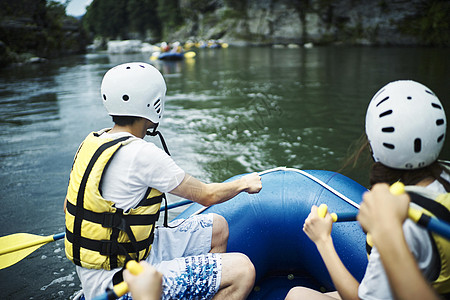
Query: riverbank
276	22
35	31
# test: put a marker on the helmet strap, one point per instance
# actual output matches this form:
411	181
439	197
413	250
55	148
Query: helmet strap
157	132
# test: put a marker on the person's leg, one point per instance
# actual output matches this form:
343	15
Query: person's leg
300	292
219	239
238	277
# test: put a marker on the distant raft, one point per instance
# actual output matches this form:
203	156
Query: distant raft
171	56
267	227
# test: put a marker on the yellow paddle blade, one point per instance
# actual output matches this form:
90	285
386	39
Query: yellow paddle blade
190	54
15	247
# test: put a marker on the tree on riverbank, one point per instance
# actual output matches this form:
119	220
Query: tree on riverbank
40	28
124	19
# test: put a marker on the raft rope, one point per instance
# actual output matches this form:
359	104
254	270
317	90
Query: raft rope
306	174
315	179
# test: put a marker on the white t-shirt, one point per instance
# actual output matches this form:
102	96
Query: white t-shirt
134	167
375	284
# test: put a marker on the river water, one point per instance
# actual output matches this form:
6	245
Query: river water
228	111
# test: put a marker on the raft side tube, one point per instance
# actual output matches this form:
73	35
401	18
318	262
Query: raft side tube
267	227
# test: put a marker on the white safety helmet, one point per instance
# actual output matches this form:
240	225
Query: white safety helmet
405	125
134	89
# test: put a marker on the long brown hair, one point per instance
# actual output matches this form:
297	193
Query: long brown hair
380	173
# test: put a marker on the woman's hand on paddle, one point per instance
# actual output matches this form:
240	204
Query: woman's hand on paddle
145	286
381	210
316	228
253	183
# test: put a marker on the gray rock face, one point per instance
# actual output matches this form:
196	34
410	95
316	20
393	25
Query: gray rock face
363	22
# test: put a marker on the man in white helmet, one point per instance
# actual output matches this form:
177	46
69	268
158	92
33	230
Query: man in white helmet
405	128
116	186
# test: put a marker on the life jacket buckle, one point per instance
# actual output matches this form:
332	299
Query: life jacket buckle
114	220
109	248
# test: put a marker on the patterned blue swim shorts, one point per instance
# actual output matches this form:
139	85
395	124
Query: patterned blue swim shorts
199	279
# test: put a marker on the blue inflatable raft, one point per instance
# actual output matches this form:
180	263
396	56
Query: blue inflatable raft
267	227
171	56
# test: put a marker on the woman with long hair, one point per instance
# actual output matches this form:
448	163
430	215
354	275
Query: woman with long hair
405	129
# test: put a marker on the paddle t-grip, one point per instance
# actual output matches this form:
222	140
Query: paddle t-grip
322	212
397	188
135	268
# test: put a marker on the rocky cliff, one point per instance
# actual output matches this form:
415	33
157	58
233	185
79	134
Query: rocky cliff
363	22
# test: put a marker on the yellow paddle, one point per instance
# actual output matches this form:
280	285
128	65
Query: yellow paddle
396	188
15	247
432	224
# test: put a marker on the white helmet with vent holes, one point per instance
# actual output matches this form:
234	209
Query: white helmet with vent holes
134	89
405	125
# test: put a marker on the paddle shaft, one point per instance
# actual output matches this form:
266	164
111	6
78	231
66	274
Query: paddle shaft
177	204
431	223
16	246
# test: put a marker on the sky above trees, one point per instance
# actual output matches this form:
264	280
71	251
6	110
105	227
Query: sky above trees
76	8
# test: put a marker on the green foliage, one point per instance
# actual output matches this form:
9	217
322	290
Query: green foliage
34	9
56	13
237	5
117	18
432	26
38	28
170	15
107	18
234	14
143	16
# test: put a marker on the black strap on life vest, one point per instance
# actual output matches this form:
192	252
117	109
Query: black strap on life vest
79	213
118	222
434	207
368	248
439	211
110	220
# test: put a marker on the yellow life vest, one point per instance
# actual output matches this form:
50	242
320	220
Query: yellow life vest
99	235
440	209
442	283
